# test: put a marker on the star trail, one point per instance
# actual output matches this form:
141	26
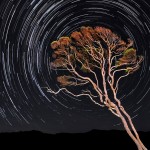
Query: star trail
26	30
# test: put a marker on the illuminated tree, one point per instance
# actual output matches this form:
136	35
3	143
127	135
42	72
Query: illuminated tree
99	58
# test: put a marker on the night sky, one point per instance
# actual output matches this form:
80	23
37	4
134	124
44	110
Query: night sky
27	27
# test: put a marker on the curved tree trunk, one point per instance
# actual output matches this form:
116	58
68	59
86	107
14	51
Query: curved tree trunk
133	128
128	124
129	120
125	124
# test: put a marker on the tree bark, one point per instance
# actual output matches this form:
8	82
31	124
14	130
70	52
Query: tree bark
128	129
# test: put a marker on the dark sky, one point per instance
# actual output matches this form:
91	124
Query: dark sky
26	30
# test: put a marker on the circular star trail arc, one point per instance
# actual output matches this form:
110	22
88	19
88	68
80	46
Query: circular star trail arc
28	27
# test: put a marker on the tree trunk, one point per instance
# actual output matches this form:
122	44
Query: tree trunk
135	137
133	128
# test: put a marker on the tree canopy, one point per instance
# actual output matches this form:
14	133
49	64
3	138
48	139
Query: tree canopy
89	48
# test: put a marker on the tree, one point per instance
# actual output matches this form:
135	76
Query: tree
100	58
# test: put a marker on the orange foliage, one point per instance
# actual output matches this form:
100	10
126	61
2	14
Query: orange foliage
90	44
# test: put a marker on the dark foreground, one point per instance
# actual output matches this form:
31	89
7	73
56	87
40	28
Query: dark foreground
94	140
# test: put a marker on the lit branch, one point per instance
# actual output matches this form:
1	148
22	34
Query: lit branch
75	95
